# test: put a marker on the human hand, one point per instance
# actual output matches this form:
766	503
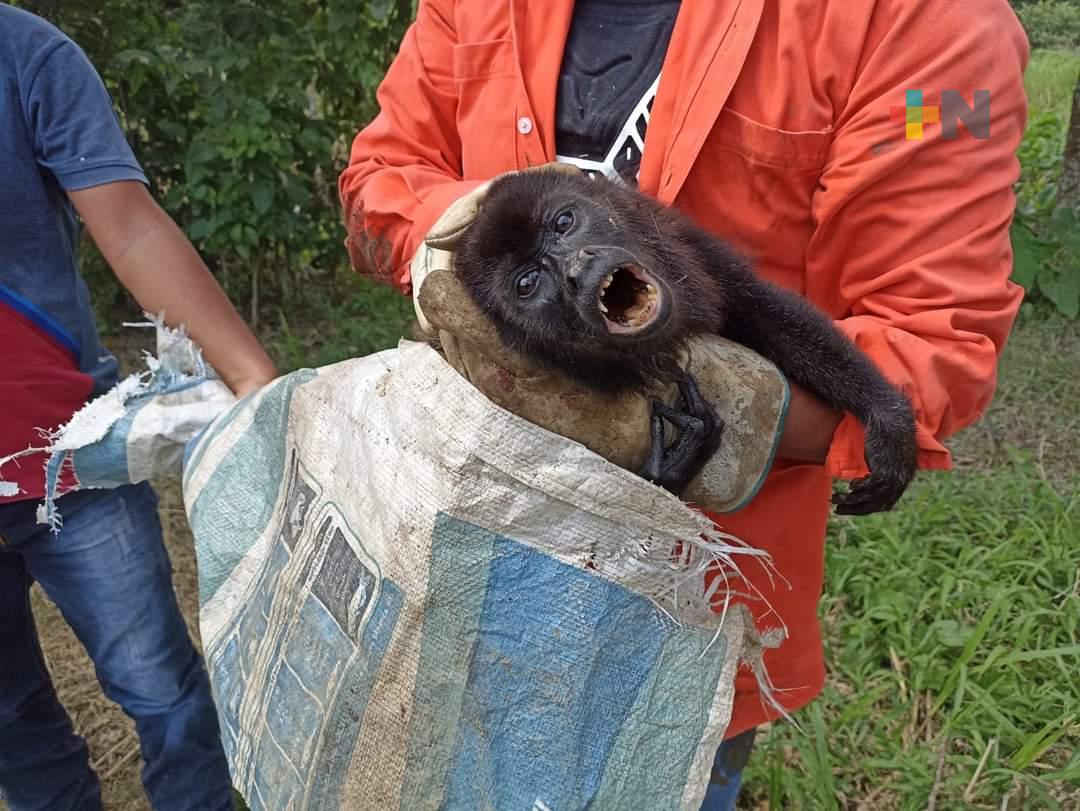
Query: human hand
245	386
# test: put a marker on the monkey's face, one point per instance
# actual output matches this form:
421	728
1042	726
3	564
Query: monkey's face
551	255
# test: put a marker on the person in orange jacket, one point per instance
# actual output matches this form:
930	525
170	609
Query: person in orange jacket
820	138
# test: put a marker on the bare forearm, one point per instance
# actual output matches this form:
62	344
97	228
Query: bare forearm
808	429
165	275
155	262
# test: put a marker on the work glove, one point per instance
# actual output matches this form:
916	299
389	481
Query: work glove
749	394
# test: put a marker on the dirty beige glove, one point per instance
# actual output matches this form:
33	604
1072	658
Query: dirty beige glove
748	393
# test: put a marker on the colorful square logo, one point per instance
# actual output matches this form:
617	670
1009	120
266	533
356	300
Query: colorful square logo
915	114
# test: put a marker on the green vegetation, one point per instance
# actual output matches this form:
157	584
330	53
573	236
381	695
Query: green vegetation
1046	235
1051	23
953	624
242	114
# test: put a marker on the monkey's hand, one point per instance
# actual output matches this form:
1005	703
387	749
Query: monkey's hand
699	431
890	452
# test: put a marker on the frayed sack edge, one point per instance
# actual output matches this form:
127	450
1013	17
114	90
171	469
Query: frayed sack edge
178	363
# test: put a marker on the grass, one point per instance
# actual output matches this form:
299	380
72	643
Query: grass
952	631
1035	406
1050	79
952	625
360	318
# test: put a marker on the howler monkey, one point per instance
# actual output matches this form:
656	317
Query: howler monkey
606	285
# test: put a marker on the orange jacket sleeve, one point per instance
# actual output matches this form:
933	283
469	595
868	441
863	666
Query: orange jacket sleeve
405	167
911	239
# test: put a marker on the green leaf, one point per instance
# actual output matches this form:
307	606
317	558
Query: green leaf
1065	227
173	129
262	195
379	10
1062	287
1028	255
1038	742
199	229
133	55
951	634
296	193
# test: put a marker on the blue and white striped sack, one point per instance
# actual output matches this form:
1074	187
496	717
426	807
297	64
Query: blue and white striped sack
397	610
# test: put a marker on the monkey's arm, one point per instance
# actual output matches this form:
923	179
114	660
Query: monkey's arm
812	352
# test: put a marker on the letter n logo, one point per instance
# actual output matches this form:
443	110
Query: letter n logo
954	108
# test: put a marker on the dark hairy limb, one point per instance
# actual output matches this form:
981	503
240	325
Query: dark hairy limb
700	430
812	352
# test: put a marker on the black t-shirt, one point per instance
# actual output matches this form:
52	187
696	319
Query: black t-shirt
610	71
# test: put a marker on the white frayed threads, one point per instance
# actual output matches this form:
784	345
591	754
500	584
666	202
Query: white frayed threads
754	657
675	584
8	488
179	360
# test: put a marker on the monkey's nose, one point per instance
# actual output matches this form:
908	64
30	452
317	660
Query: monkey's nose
584	255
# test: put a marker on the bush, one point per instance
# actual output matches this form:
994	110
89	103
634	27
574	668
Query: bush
1046	259
1051	23
242	114
1045	236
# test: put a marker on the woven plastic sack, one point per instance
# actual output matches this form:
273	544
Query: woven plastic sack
411	598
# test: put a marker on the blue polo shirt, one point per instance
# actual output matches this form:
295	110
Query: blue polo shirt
58	133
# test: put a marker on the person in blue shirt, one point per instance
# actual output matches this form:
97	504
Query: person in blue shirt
63	156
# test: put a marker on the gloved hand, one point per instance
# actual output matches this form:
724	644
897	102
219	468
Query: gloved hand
748	393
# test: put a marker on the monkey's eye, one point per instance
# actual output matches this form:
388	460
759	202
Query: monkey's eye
527	283
564	222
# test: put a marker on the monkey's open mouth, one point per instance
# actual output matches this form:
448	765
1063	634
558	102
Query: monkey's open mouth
629	299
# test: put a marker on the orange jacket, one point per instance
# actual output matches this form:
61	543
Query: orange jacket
780	126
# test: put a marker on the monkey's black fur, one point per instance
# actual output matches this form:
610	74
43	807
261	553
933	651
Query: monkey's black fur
606	285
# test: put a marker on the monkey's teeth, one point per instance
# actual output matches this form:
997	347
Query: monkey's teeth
603	309
607	282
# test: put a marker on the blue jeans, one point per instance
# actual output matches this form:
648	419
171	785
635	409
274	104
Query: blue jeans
108	572
726	778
